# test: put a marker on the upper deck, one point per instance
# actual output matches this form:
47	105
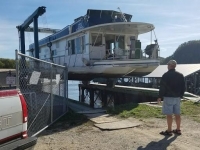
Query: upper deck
107	20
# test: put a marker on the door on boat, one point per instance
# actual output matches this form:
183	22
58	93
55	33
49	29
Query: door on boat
113	44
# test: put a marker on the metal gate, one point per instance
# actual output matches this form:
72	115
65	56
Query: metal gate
44	86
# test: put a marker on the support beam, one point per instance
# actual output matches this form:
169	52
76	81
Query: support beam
104	98
82	95
38	12
42	30
36	43
132	47
22	41
91	98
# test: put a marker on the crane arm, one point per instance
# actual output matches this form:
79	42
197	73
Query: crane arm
21	28
43	30
38	12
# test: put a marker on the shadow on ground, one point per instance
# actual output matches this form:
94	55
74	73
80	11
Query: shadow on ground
160	145
68	121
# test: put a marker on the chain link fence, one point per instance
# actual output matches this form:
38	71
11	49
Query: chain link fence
44	87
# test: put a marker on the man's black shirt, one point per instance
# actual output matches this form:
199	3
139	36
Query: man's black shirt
172	84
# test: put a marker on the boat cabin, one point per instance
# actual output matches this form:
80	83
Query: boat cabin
100	35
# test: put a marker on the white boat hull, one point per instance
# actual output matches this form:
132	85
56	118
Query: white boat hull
113	69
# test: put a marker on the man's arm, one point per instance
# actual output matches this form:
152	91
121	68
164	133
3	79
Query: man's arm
162	87
182	86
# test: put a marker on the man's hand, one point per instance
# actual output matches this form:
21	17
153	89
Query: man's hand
159	100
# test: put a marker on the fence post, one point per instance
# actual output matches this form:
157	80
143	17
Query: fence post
65	88
51	90
59	93
17	69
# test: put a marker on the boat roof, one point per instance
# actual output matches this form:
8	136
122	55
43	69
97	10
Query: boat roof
100	21
133	28
123	27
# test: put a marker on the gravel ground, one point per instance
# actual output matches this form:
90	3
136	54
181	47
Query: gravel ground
84	136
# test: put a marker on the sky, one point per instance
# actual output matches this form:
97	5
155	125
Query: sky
175	21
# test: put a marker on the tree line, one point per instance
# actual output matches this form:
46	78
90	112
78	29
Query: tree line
186	53
7	63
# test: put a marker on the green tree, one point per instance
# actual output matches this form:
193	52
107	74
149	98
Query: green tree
186	53
1	65
7	63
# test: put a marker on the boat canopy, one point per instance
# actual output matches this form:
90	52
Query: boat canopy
124	28
108	20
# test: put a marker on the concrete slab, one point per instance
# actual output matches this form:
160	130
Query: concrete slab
122	124
101	118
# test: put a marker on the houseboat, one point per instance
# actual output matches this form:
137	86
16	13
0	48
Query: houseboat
101	44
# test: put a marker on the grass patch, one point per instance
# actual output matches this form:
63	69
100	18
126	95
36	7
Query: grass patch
188	108
136	110
191	110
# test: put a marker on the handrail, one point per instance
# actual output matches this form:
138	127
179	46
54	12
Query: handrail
125	52
40	60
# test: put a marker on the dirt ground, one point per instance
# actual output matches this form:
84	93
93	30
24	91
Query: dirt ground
144	137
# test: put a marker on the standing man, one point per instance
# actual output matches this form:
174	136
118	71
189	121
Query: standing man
172	88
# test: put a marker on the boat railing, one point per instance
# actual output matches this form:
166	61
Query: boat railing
57	60
125	54
119	54
101	53
97	52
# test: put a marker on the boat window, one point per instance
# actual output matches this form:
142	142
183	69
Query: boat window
120	42
110	41
83	44
78	46
96	39
57	44
54	52
69	48
68	44
73	46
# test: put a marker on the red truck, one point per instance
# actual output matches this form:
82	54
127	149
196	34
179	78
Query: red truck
13	121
